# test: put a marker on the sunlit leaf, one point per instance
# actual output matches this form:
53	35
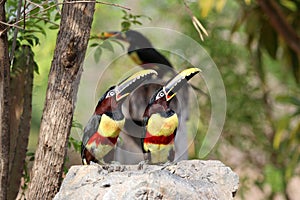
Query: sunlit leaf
281	126
220	5
248	2
289	4
205	7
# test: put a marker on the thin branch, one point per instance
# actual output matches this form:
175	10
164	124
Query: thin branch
280	24
46	20
37	5
99	2
10	25
55	5
199	27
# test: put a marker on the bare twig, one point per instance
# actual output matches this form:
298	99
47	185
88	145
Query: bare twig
198	26
55	5
46	20
279	22
10	25
36	4
14	43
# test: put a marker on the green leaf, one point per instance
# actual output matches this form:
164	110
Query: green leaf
36	68
76	124
288	100
97	54
281	125
107	45
125	25
94	45
137	22
57	16
30	153
53	27
268	39
30	41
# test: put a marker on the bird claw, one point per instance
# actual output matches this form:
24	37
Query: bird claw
167	164
142	164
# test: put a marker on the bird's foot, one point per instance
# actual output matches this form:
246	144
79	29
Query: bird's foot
167	164
114	166
142	164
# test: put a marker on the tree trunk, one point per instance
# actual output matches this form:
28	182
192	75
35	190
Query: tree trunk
60	101
4	106
20	115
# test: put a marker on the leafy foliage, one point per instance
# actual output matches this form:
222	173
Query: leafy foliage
128	20
28	20
263	109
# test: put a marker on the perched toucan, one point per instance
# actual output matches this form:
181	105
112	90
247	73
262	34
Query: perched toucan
161	122
103	128
141	51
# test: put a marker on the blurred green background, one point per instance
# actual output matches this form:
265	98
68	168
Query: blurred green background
260	139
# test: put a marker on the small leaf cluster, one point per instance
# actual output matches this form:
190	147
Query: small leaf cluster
129	19
32	18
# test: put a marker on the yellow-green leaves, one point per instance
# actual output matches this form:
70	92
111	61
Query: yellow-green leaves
206	6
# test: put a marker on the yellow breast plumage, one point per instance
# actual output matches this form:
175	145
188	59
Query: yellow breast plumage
109	127
161	126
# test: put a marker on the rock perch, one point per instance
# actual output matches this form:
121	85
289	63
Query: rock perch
190	179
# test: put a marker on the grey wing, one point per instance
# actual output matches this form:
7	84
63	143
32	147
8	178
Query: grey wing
91	128
143	135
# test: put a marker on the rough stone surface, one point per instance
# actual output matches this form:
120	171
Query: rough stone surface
192	179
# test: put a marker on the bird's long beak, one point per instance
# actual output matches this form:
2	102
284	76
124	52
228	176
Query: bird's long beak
116	34
173	85
132	82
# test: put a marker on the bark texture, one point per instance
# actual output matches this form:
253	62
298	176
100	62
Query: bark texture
4	106
61	94
20	115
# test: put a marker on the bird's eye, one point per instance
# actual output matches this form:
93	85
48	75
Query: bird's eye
110	94
160	94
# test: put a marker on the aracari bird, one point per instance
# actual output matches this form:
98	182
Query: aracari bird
161	122
141	51
103	128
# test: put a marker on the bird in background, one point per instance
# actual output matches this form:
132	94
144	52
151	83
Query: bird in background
102	130
161	122
141	51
